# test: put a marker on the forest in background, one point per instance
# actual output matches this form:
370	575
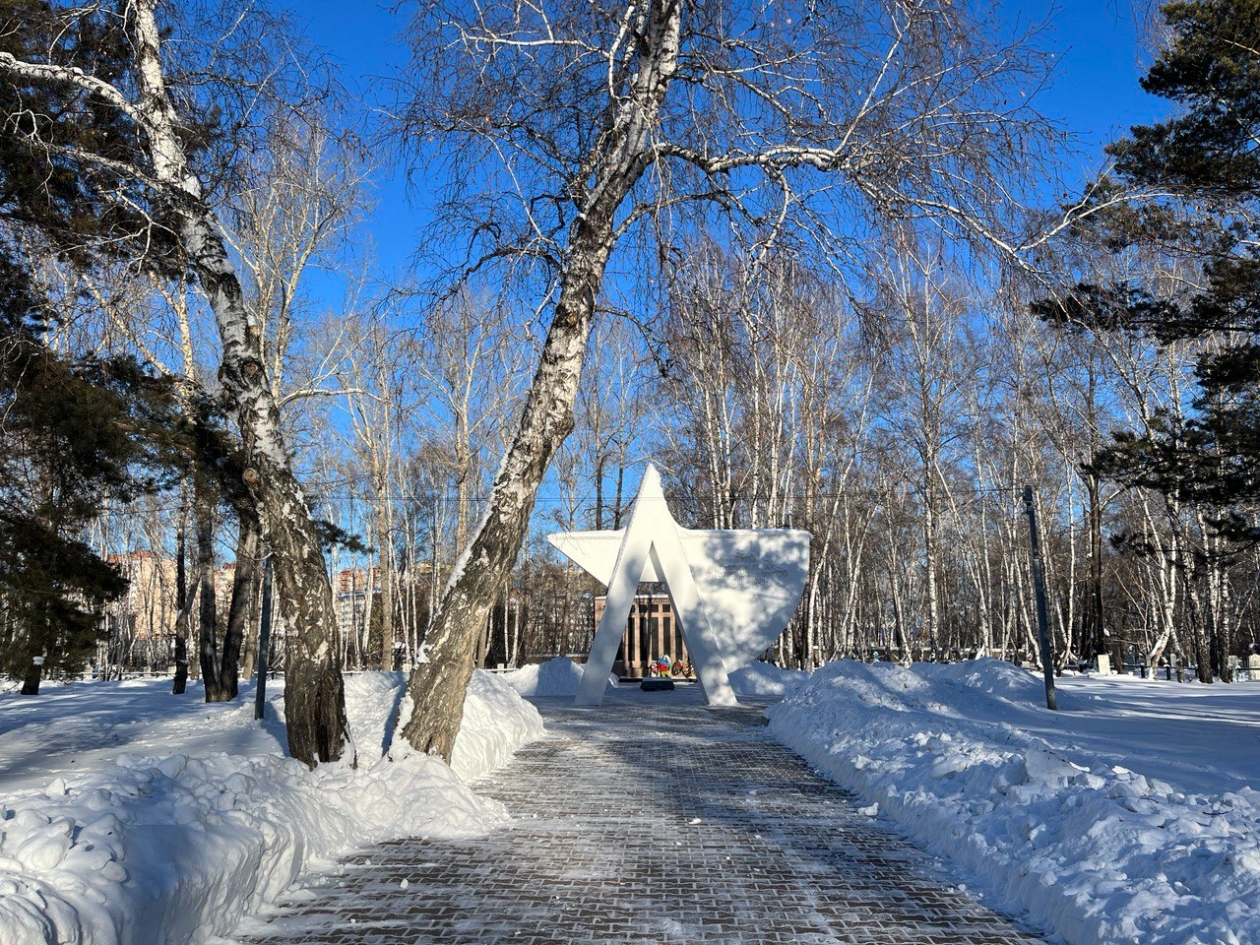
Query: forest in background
888	370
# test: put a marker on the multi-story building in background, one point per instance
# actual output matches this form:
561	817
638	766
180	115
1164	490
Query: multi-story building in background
141	623
350	598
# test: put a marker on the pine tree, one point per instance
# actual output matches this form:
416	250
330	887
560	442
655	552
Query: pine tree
1201	171
74	433
1206	157
76	430
138	152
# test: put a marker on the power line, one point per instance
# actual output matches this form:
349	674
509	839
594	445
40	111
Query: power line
675	497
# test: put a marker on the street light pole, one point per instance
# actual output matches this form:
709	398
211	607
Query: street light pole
1039	587
264	641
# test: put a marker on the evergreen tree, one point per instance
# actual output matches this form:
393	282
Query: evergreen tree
1205	163
75	430
152	128
1206	158
73	434
1202	168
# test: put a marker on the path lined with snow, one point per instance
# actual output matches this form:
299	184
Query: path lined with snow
653	819
1129	817
129	816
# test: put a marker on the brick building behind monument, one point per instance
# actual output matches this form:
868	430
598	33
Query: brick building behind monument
651	632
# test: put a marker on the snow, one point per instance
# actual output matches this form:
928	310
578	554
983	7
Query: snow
558	677
1128	816
765	680
561	676
493	726
131	815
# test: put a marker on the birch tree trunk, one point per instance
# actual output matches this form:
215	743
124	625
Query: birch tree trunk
437	687
620	159
314	692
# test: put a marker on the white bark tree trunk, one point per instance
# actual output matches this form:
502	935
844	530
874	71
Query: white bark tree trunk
314	693
619	158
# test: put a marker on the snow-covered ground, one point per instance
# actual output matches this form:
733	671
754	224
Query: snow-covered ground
1129	816
132	816
558	677
763	681
128	815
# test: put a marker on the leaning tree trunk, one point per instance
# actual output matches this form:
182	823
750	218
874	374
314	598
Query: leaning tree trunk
618	161
437	687
314	692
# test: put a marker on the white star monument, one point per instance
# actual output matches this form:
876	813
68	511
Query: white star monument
733	591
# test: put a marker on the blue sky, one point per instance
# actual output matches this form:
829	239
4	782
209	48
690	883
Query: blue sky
1095	92
362	38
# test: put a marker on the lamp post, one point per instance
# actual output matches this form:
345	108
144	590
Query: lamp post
1039	589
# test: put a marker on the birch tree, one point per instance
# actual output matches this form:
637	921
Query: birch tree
923	375
159	177
571	124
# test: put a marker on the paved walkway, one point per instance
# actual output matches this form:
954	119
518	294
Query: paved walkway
653	819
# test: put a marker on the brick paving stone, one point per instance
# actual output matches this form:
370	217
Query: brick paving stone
652	819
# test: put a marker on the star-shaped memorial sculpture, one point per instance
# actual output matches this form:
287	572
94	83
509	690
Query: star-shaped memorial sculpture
733	591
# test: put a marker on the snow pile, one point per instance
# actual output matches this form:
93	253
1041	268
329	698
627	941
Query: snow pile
765	680
175	848
1099	852
496	722
558	677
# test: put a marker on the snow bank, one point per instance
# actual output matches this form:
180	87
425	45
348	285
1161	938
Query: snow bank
176	849
557	677
1098	852
496	722
765	680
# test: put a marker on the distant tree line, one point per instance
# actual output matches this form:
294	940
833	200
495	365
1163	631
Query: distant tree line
802	262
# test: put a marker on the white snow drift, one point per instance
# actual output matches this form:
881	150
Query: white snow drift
1112	821
203	819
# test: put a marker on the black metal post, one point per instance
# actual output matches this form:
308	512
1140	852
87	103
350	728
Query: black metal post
1039	587
264	642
